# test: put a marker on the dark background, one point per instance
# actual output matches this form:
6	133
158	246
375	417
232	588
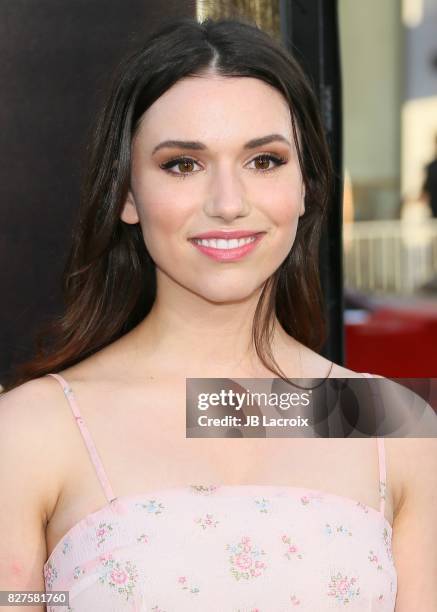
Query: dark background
55	60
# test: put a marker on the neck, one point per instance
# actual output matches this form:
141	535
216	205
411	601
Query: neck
185	329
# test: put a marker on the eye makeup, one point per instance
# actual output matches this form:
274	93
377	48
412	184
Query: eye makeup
278	160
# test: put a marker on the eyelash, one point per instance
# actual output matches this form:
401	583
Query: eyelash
279	160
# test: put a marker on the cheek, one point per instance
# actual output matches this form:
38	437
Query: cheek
282	206
161	217
281	197
160	211
287	212
283	210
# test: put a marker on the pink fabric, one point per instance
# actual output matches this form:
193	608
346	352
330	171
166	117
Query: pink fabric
248	548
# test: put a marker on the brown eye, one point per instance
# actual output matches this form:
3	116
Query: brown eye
262	162
184	165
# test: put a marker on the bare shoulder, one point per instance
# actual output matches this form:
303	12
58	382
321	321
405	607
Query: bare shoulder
32	406
410	413
411	451
33	428
32	435
316	365
339	371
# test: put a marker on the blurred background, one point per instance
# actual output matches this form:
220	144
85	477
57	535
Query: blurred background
389	68
374	67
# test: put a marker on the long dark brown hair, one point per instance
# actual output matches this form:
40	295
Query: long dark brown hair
109	282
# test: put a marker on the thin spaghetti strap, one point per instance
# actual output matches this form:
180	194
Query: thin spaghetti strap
101	474
382	484
382	474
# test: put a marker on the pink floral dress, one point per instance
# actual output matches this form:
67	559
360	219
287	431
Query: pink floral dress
212	548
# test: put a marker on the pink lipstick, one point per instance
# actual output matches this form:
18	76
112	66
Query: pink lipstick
227	246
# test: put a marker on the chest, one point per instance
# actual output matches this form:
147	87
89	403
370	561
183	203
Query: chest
140	436
143	444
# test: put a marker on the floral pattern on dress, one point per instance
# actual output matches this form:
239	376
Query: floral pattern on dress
311	497
50	574
344	589
206	521
292	550
387	539
294	600
263	504
66	546
182	581
339	529
363	507
245	559
120	576
78	572
142	538
152	506
103	530
373	558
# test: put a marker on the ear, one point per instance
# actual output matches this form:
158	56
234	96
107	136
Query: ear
129	212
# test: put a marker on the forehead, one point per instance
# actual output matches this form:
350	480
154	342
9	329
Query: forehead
217	108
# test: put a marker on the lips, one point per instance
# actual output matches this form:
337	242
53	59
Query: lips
227	252
226	235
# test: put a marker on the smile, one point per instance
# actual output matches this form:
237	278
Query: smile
220	243
221	249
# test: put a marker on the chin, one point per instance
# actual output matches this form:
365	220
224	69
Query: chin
221	294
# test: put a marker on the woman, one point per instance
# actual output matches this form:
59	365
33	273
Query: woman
210	129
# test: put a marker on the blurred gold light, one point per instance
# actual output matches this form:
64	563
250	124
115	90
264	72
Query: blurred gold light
412	13
265	13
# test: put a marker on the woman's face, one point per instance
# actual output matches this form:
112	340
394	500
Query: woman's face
222	182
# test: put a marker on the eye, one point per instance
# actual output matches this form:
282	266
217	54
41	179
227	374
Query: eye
186	164
266	158
182	162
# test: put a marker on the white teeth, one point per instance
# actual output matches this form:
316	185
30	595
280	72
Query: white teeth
221	243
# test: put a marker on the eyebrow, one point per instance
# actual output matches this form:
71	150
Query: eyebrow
199	146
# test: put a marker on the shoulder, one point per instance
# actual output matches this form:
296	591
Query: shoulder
312	363
28	408
339	371
33	428
410	414
32	406
411	449
34	439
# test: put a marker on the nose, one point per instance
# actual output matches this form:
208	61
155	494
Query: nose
226	196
